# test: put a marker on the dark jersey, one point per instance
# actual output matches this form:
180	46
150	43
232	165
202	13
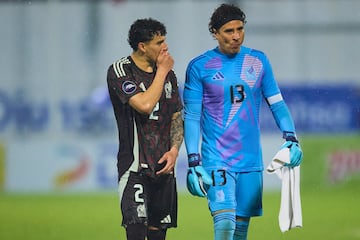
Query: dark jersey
143	139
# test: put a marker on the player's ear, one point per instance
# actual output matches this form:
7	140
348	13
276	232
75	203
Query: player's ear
141	46
214	33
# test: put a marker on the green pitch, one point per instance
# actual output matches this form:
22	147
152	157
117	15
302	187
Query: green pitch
330	215
330	211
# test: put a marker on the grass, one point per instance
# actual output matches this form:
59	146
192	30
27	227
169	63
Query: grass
330	211
326	215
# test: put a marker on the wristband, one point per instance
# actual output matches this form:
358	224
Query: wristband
290	136
194	159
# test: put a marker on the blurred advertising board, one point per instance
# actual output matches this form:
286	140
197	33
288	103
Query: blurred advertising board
324	109
85	165
58	165
315	109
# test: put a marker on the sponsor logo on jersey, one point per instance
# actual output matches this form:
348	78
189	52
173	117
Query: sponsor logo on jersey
128	87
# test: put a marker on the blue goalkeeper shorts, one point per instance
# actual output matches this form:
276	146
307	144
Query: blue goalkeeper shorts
237	191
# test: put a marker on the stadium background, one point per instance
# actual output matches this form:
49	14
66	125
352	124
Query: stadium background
57	130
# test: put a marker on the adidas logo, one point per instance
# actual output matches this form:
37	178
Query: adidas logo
166	219
218	76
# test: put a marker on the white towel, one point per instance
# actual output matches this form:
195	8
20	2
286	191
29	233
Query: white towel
290	214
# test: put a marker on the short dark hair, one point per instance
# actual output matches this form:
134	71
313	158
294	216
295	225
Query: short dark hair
223	14
144	30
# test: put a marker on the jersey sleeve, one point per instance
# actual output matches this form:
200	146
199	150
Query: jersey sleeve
274	99
174	81
120	80
193	91
269	85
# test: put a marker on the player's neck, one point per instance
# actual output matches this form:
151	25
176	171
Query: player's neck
142	63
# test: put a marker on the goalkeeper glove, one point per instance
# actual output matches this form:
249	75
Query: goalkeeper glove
294	147
198	180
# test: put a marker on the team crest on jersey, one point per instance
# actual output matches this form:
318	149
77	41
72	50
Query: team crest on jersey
251	73
168	89
128	87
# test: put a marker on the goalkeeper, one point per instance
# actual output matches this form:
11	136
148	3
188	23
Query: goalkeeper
223	90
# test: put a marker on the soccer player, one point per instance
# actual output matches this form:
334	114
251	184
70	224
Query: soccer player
144	93
223	90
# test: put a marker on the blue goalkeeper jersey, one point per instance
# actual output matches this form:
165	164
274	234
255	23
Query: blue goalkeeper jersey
224	93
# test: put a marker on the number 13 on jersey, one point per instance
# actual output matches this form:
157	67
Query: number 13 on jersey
237	93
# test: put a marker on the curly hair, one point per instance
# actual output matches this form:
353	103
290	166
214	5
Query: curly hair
144	30
223	14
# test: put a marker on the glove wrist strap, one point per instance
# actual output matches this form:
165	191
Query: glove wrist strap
290	136
194	159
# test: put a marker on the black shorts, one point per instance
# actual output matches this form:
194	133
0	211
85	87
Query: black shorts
148	200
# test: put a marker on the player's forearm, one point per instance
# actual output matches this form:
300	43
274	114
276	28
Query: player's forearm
145	102
283	117
177	131
153	94
192	126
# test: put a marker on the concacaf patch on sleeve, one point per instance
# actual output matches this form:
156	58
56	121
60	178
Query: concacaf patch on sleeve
128	87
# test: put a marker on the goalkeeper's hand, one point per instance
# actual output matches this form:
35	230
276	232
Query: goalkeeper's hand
296	153
198	180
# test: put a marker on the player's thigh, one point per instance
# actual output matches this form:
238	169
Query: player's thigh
221	195
163	202
133	198
249	191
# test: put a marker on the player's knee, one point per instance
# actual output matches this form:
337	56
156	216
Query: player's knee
156	234
242	219
136	231
242	226
225	221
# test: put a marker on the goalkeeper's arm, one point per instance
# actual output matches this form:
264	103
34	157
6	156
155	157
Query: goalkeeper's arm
197	178
285	122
